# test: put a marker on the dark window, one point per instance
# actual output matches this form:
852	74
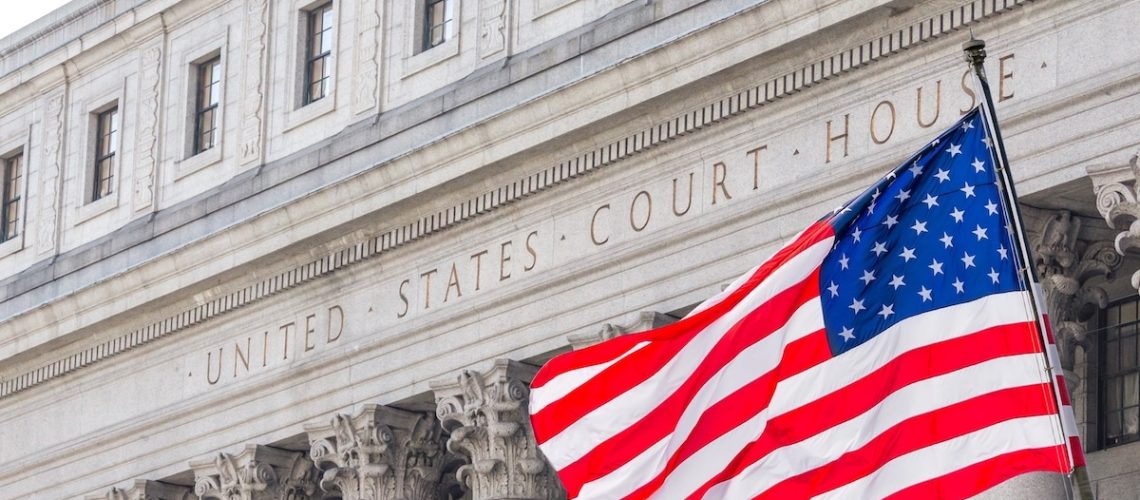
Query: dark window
209	86
439	22
106	145
318	53
1119	375
10	205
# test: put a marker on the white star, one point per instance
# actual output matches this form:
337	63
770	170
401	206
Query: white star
891	175
834	289
903	195
879	249
993	275
968	260
942	175
875	195
957	214
907	254
968	189
955	150
856	305
967	126
925	294
843	262
979	165
856	234
986	141
868	277
959	286
980	232
916	169
1001	251
887	311
890	221
935	266
897	281
931	201
947	240
991	207
847	334
919	227
934	142
871	208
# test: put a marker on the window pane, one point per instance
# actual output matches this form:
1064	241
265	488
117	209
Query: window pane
1131	427
1112	394
1112	427
1128	353
1112	358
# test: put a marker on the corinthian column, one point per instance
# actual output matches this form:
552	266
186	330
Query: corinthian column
486	414
257	473
380	453
143	489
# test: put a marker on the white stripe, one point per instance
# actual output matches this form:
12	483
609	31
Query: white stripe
619	413
751	363
915	399
951	455
561	385
617	484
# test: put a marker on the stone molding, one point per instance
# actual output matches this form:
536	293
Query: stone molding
575	167
646	320
380	452
486	415
257	473
144	489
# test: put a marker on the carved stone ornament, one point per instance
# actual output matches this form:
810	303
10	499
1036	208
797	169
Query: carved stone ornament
147	490
254	59
486	414
380	453
257	473
1116	200
646	320
492	27
1065	264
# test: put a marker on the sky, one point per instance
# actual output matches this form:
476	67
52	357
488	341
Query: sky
19	13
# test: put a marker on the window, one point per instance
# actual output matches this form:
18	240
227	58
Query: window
106	145
207	94
10	203
1119	375
318	53
439	22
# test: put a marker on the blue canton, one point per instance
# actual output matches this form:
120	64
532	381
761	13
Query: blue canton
931	234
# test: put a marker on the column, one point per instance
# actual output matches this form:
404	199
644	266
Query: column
380	453
256	473
486	414
143	489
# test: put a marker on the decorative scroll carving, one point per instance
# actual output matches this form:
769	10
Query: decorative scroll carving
1116	195
257	473
492	27
367	68
253	84
380	452
646	320
1066	263
150	76
487	417
48	215
148	490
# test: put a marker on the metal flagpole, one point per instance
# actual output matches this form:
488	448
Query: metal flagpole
975	51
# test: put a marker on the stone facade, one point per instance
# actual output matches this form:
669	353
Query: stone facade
348	298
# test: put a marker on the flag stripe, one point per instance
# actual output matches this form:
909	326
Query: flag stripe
974	479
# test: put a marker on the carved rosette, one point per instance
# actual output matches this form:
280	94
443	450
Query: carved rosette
147	490
379	453
367	68
257	473
486	415
1066	264
150	76
646	320
254	60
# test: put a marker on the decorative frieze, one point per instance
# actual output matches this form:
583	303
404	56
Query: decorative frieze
646	320
380	453
148	490
486	414
257	473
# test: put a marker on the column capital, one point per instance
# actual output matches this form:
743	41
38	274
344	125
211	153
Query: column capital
256	473
486	414
1117	189
645	320
143	489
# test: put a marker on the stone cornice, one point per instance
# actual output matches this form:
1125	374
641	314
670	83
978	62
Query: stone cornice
703	117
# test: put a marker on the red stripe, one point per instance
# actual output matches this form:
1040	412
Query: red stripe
1078	451
914	434
972	480
1063	390
863	394
627	444
611	349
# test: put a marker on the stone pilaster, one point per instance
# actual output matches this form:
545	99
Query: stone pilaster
486	414
143	489
646	320
257	473
380	453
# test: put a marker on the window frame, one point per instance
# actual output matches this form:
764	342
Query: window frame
214	63
11	195
428	25
319	12
1117	333
109	140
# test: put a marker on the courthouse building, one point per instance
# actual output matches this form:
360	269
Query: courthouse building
318	248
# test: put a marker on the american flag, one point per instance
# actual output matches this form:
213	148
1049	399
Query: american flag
889	350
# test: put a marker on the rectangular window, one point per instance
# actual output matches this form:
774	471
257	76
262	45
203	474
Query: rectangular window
318	53
106	145
439	22
1119	375
10	203
207	95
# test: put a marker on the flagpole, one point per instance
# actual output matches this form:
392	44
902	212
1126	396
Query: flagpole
975	51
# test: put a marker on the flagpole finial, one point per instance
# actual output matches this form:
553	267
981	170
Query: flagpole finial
975	51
